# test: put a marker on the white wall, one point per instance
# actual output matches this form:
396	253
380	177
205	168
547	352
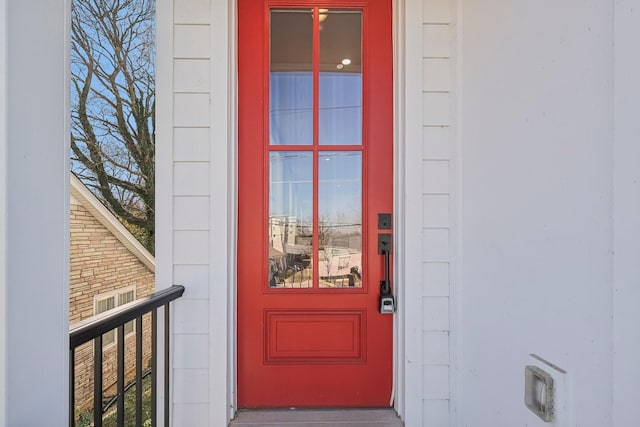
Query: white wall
626	338
37	260
536	181
3	211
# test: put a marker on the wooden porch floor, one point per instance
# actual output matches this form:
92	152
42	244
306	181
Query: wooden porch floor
317	418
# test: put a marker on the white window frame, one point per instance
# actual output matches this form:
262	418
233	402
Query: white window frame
115	294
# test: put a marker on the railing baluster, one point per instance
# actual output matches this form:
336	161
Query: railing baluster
154	367
121	375
97	382
72	387
166	364
139	371
94	328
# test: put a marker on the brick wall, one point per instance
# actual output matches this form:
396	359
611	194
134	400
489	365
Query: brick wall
100	263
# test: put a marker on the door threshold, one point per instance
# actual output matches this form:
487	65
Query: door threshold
360	417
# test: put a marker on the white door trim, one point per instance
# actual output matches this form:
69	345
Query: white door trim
223	184
407	192
408	196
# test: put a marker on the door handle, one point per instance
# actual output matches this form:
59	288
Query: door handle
387	301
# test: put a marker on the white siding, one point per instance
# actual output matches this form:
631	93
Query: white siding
183	198
194	202
438	43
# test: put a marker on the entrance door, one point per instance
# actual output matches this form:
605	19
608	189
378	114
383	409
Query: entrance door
315	172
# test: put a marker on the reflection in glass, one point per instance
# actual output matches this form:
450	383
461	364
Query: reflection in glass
291	78
290	219
340	219
341	78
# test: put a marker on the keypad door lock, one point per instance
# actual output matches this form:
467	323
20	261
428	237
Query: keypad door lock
387	301
387	304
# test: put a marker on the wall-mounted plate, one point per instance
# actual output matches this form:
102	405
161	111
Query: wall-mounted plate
538	392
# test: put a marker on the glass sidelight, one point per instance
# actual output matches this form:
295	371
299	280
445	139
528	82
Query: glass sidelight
315	149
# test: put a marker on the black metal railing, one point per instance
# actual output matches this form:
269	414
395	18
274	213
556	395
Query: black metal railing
95	327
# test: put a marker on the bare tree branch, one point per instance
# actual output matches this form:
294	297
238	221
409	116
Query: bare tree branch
113	107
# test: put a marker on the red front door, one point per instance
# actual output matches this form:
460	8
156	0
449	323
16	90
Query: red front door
315	172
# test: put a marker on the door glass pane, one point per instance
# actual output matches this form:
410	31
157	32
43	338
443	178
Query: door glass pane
340	87
291	78
290	219
340	219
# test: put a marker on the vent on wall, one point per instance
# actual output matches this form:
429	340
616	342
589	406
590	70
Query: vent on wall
538	392
547	393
